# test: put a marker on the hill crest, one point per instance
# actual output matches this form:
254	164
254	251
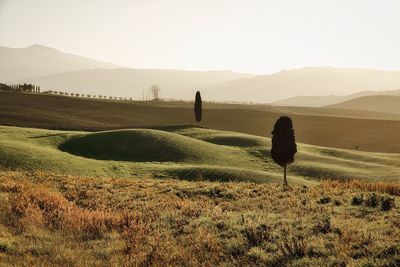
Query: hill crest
380	103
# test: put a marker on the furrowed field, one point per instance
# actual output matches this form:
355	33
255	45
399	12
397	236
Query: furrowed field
48	219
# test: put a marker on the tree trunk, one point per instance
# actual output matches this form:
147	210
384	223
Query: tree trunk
284	175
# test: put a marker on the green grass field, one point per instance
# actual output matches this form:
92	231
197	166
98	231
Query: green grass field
183	152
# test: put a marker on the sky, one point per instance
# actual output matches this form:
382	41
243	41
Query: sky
254	36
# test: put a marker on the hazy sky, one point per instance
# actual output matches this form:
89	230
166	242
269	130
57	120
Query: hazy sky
258	36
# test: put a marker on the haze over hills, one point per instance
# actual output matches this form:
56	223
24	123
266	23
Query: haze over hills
37	60
319	86
55	70
309	101
125	82
380	103
231	86
325	100
310	81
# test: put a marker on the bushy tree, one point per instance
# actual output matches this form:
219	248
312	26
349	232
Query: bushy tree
198	107
283	144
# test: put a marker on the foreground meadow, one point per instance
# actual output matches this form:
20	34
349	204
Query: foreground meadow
49	219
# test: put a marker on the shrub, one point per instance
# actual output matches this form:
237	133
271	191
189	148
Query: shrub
293	247
324	200
387	203
257	235
372	201
6	247
324	226
137	234
357	200
337	202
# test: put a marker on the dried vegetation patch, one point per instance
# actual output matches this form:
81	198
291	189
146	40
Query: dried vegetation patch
48	219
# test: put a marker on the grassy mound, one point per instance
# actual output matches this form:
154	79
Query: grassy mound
144	145
223	137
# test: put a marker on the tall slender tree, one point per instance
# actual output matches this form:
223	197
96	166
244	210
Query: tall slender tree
283	144
198	107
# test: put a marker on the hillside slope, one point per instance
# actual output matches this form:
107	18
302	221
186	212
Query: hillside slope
318	126
380	103
327	100
309	101
183	152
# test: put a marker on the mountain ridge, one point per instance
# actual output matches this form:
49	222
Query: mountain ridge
18	64
307	81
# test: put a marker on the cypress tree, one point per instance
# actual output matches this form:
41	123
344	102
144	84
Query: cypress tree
283	144
198	107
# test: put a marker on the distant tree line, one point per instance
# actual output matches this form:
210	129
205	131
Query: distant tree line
152	95
25	88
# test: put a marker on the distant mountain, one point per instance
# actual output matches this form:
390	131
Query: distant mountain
319	86
380	103
55	70
124	82
312	81
20	63
320	101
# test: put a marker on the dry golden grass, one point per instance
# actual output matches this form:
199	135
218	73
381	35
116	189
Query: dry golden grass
384	187
53	220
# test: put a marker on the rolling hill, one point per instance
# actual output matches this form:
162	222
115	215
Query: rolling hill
183	152
318	126
308	101
380	103
312	81
19	64
320	101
